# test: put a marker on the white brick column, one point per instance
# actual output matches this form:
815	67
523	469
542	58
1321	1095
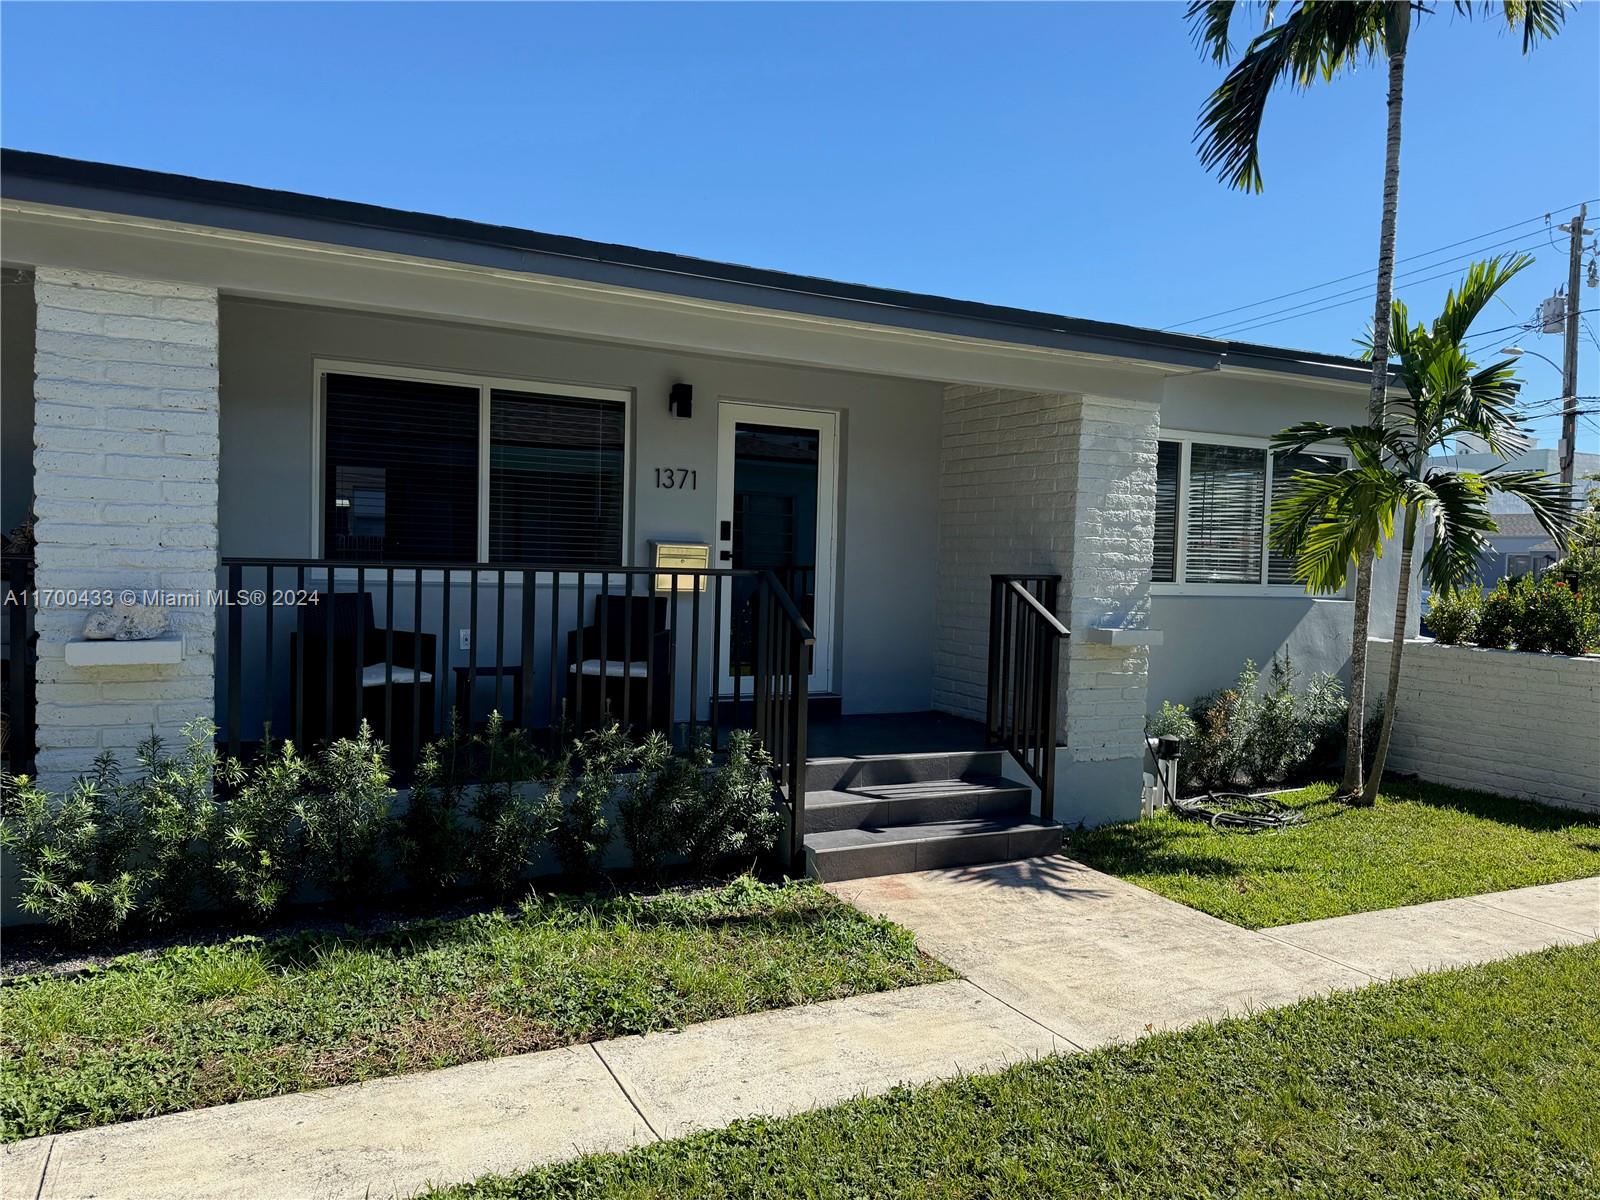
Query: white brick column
1110	456
1053	484
125	478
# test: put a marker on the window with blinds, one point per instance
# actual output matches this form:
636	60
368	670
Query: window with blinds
1169	472
1285	465
1227	509
400	470
555	479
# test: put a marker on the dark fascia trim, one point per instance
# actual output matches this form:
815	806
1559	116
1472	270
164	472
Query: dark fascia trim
31	177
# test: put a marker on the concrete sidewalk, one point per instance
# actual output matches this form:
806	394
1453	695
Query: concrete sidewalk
1056	958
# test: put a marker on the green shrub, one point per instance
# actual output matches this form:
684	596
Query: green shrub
260	857
344	813
1540	616
579	785
1581	566
509	820
76	856
660	797
733	815
1453	614
1247	736
174	798
1499	615
430	840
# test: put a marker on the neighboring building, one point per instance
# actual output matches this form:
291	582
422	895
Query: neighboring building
467	431
1520	545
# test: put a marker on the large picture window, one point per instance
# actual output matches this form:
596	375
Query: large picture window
440	470
1213	498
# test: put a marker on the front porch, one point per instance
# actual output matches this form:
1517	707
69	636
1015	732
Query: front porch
384	516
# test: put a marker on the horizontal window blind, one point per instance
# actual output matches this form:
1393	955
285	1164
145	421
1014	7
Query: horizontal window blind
1285	464
1227	496
401	470
555	479
1169	469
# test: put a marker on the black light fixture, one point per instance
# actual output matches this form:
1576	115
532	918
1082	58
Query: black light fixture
680	400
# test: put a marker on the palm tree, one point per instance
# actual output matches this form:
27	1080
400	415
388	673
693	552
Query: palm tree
1328	521
1321	39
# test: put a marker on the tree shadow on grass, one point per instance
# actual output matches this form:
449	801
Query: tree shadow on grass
1507	810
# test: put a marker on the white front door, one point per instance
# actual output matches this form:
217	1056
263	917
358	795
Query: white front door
777	510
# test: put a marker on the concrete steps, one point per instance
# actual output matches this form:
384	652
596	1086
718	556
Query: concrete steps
913	812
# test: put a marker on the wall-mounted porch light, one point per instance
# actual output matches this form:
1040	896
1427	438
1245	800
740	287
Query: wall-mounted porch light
680	400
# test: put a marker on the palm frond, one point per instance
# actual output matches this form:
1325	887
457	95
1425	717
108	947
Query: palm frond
1547	498
1473	294
1318	39
1325	521
1536	18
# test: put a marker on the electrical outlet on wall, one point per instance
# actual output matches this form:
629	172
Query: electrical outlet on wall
464	641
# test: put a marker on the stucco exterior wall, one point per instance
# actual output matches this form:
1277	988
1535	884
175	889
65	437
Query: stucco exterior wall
889	458
1501	721
1208	637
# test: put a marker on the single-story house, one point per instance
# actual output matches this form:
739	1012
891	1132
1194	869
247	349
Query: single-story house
391	465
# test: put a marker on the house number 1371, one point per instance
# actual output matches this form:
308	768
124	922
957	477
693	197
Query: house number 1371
677	478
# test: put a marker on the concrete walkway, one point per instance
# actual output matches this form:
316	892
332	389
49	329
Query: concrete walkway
1056	958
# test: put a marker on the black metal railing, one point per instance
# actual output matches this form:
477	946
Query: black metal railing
1025	640
310	648
19	687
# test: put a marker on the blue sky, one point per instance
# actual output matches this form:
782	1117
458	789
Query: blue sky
1036	155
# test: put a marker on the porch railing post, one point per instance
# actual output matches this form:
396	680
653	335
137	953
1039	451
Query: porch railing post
235	618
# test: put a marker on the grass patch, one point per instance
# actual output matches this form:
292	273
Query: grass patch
1471	1083
246	1018
1420	842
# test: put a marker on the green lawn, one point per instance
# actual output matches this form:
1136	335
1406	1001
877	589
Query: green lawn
1473	1083
214	1024
1420	842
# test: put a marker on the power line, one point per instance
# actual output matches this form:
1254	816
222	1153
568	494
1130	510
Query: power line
1352	295
1317	287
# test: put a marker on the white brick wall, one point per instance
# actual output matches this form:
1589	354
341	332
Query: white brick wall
1496	720
1054	484
125	475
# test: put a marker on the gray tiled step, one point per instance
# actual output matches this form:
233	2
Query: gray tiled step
877	805
842	774
858	853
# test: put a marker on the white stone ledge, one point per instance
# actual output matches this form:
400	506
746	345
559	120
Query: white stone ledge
150	651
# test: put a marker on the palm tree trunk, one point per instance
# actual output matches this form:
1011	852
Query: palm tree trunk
1391	695
1378	399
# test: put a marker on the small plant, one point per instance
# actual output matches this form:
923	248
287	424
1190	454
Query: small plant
76	857
574	818
174	797
1248	736
345	812
430	841
663	791
260	856
1453	614
734	816
509	820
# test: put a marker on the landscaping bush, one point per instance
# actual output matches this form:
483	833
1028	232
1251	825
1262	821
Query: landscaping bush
575	816
733	816
76	857
509	820
175	799
259	857
1546	615
1247	736
656	806
251	834
344	813
1453	615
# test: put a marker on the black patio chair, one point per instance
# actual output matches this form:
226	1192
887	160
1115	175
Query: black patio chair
620	666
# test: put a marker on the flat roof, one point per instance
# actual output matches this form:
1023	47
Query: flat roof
31	177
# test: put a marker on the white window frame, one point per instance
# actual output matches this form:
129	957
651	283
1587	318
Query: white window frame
485	385
1186	440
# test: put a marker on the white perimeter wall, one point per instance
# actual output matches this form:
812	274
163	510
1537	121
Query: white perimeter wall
1497	720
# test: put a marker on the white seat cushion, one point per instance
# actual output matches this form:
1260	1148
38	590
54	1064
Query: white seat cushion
614	669
373	676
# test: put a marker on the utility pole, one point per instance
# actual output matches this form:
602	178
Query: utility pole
1569	361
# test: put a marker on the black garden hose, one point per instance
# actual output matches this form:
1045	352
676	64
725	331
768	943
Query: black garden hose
1227	810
